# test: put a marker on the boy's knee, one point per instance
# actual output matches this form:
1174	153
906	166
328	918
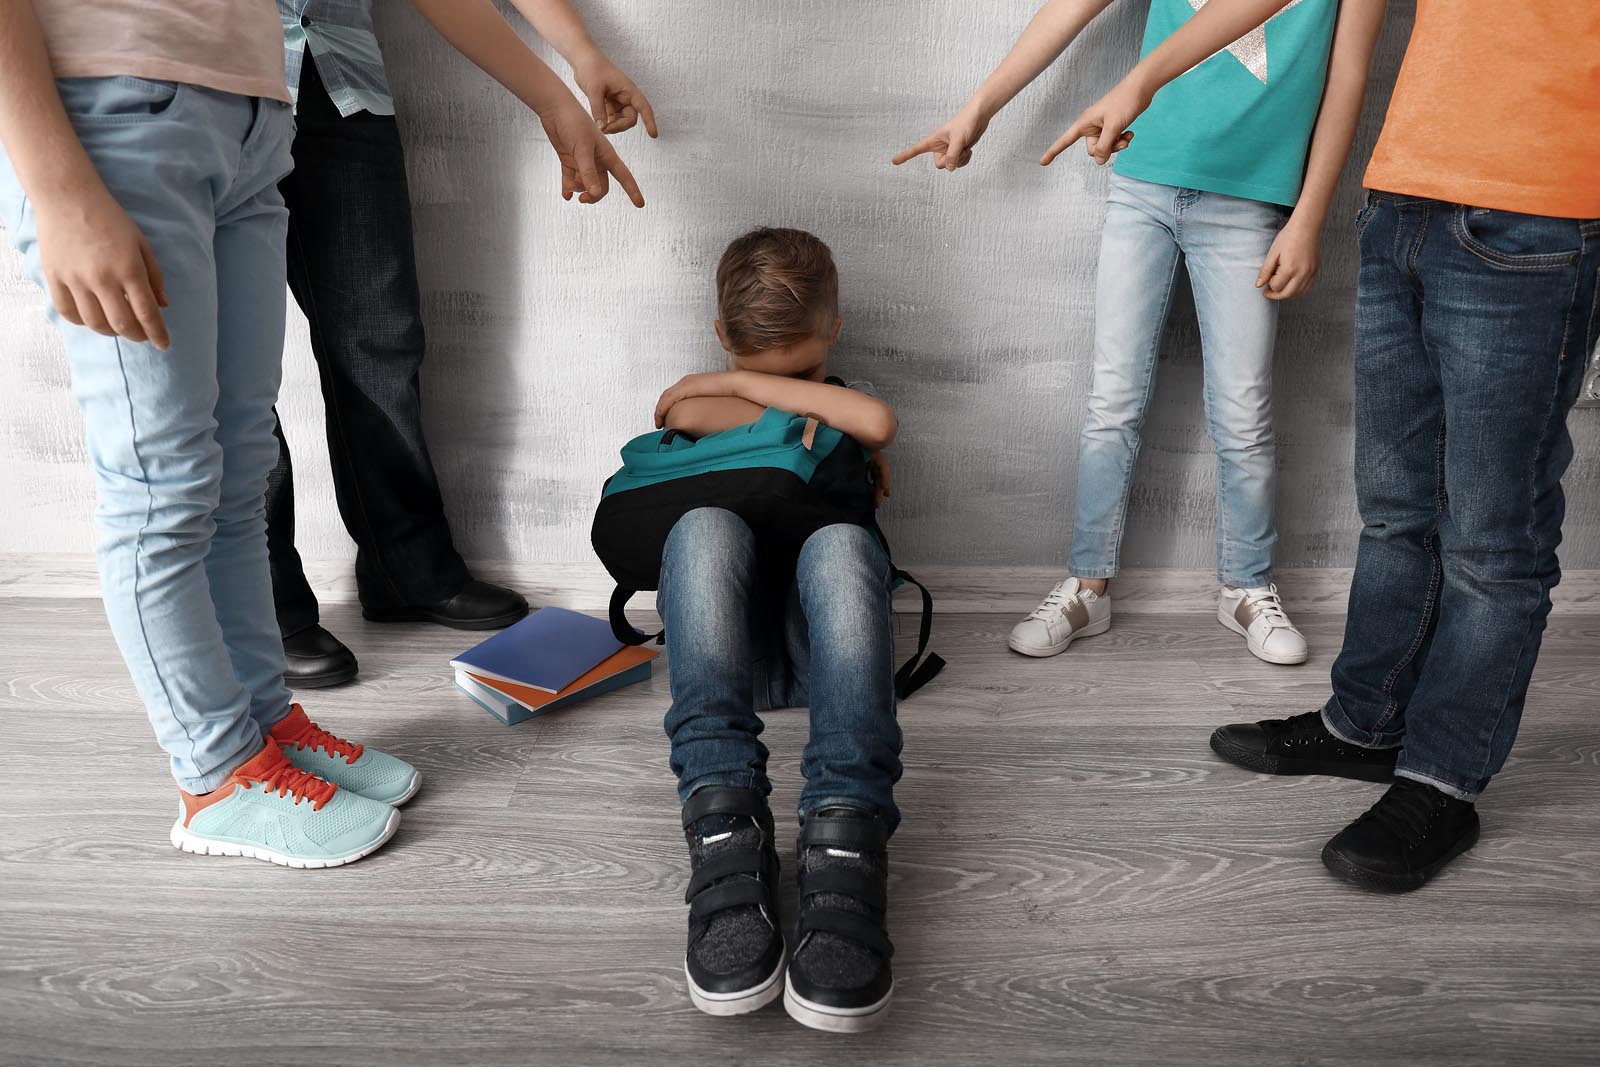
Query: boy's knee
711	530
840	546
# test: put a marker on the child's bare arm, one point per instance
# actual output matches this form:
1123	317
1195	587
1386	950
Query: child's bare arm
1047	35
701	415
1291	265
614	101
1104	123
98	267
476	30
866	418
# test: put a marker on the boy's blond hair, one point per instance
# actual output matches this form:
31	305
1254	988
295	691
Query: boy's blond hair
775	287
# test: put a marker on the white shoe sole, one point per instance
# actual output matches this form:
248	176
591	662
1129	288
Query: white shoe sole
742	1002
835	1020
1094	629
205	846
411	791
1226	618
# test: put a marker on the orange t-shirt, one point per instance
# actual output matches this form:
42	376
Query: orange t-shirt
1498	106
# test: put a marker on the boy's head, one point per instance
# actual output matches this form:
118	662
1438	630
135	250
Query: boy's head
778	302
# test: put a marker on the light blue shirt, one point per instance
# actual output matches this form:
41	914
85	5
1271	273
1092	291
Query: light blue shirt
340	38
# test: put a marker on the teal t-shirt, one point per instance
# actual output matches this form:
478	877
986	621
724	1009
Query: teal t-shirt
1240	122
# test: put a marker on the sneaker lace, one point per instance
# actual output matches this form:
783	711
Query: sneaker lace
314	737
1055	603
1269	604
1407	809
280	776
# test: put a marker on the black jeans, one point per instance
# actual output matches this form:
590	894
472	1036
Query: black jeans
352	270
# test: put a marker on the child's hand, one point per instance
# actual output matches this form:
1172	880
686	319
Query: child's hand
880	479
950	144
1291	265
712	383
614	100
1103	124
99	269
586	157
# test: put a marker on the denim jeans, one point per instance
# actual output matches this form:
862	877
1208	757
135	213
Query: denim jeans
352	269
181	441
740	642
1472	331
1223	241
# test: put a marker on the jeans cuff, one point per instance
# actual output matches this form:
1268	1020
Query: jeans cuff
1253	581
212	779
1339	725
1440	780
1094	573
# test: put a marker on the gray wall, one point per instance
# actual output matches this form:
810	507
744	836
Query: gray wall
967	300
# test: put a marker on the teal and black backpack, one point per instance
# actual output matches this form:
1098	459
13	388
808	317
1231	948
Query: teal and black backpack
786	475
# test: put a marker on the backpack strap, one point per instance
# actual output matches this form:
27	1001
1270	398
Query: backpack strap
621	628
920	669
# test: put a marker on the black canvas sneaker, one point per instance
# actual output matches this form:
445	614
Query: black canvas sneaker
1404	839
1301	745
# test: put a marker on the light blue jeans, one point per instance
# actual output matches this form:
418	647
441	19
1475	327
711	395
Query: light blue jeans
1223	241
181	441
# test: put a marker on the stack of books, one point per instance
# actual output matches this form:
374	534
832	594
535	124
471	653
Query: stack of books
551	660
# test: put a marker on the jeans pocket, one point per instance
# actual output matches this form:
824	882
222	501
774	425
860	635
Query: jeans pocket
1514	241
1369	207
117	101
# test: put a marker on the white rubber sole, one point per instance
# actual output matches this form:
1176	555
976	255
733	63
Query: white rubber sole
1226	618
742	1002
205	846
835	1020
1094	629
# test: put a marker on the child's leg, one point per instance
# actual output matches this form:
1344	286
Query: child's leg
151	416
1225	241
1133	294
853	756
708	583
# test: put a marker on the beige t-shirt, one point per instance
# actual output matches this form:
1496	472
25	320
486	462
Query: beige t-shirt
232	45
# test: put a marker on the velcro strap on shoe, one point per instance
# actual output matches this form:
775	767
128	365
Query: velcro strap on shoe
744	861
854	835
717	800
846	883
735	893
847	924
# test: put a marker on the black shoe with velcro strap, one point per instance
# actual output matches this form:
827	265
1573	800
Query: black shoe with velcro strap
735	957
839	977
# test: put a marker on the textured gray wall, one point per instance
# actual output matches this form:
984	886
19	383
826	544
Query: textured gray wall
967	300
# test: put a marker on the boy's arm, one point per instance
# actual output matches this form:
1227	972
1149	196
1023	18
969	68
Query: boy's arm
476	30
1215	26
1291	265
98	268
1047	35
866	418
702	415
614	101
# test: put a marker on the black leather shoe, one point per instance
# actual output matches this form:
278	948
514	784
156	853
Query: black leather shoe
1301	745
840	979
479	606
734	961
315	659
1404	839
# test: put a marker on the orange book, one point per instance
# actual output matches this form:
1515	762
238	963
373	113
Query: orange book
512	703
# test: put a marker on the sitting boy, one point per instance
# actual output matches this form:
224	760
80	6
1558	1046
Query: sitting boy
747	631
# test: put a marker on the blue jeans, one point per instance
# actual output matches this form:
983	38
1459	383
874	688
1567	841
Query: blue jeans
740	642
1472	331
181	441
1223	241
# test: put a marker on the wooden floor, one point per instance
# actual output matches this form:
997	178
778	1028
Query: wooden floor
1078	879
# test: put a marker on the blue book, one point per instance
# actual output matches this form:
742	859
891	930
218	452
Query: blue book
511	711
548	650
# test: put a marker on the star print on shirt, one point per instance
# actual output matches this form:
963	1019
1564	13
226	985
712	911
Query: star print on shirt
1251	49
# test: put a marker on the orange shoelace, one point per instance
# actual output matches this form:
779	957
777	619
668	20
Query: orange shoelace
313	737
286	779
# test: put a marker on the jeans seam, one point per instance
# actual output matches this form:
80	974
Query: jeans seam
1149	387
1430	600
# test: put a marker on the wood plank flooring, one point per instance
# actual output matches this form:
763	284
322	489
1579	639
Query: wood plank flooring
1078	879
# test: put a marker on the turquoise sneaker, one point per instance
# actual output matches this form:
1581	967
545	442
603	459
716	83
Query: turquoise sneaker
366	771
269	809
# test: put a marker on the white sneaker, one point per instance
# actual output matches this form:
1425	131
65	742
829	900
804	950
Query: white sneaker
1258	615
1069	612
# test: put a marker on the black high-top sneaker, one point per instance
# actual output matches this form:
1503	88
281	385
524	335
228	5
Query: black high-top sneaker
735	957
1404	839
1301	745
839	978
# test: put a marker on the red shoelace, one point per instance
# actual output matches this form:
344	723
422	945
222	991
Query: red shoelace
313	736
280	776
